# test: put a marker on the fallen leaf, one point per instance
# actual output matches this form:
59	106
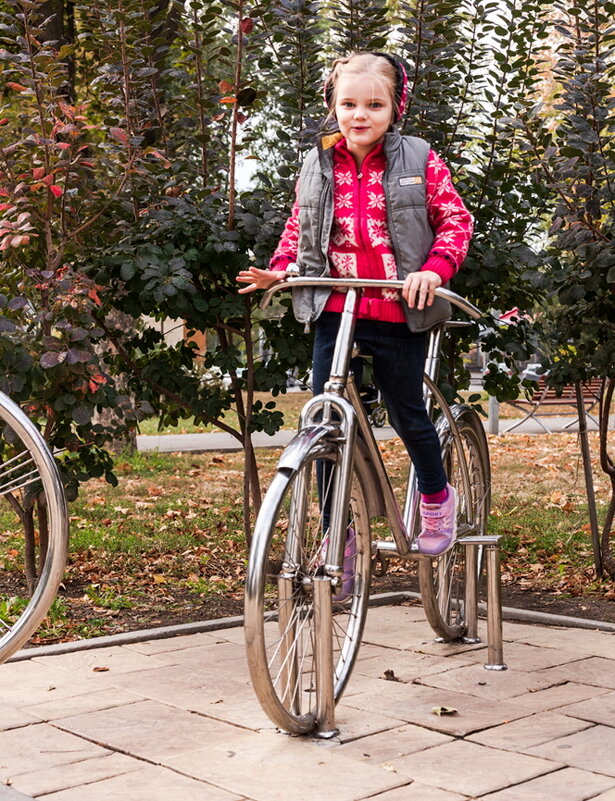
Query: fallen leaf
444	710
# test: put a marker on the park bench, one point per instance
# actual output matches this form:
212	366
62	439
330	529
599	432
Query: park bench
545	402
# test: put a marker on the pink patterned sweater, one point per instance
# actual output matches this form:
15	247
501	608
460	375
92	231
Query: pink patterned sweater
360	245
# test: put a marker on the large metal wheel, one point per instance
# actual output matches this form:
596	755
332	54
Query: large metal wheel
288	552
442	579
33	528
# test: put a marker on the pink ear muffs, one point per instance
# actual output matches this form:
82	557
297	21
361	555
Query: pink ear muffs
401	86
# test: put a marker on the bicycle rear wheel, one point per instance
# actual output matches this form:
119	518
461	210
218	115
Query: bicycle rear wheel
287	554
442	579
33	528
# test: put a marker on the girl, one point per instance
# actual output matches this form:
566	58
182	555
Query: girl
373	204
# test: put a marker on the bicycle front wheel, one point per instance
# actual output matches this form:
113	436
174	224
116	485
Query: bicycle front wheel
288	552
442	579
33	528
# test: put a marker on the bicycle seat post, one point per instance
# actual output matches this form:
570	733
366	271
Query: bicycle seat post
432	361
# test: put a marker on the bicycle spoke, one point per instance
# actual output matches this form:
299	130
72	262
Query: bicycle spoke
289	651
35	525
12	475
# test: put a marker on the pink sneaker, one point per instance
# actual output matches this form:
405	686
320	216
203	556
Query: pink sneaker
350	555
439	525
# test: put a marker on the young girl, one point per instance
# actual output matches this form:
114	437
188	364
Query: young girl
373	204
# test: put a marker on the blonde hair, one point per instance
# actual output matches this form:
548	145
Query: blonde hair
360	64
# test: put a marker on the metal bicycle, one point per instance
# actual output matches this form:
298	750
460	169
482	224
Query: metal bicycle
330	487
33	527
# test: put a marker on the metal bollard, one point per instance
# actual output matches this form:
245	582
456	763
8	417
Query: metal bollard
493	426
323	628
495	653
471	591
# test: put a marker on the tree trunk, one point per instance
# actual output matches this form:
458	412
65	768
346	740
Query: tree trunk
608	466
30	547
54	12
601	541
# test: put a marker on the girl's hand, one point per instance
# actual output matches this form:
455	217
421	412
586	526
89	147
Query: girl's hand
258	279
419	288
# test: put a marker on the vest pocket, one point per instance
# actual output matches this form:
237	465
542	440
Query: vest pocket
407	189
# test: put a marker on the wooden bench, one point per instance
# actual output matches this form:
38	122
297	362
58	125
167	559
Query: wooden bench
547	396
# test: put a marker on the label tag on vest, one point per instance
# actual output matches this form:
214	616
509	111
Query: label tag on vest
410	180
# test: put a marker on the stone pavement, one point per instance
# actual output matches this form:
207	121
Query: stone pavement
177	718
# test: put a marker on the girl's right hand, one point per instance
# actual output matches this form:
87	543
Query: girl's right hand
258	279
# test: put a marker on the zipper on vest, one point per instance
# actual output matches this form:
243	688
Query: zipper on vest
363	236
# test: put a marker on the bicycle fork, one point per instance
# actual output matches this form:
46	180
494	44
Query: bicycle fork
339	417
334	410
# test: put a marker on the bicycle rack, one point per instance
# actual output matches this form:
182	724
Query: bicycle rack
325	691
495	650
325	697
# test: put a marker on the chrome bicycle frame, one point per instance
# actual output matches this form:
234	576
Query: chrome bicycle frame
339	410
337	415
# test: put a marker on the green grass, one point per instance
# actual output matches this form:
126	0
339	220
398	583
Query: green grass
170	537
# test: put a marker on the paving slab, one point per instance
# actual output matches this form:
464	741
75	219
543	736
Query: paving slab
491	684
590	749
10	794
31	683
148	729
12	718
594	670
400	629
41	746
151	783
407	666
227	697
396	742
415	704
354	723
212	658
100	660
519	735
568	784
596	710
471	769
582	642
270	767
62	777
174	718
521	656
558	696
161	646
83	702
418	792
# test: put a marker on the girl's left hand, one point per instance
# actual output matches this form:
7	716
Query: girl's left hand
419	288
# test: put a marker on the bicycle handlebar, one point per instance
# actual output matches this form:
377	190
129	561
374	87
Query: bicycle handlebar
364	283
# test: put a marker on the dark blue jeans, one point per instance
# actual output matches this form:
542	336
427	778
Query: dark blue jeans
399	361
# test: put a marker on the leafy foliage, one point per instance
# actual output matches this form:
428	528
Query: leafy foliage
123	149
577	161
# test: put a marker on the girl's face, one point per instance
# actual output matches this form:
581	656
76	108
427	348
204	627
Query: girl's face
364	111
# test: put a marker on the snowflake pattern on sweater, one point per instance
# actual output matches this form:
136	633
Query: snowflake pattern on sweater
360	244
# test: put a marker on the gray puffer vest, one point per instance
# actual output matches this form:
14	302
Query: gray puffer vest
411	234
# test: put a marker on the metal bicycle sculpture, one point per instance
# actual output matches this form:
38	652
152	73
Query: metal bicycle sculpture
303	627
33	527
